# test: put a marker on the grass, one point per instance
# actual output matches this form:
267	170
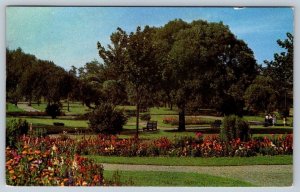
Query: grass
159	178
48	121
40	107
12	108
162	111
196	161
75	108
154	135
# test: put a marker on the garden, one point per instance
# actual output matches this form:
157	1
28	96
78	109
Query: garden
153	113
67	158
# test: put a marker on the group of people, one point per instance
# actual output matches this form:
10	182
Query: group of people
270	119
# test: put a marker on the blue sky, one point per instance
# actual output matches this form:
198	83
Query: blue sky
68	35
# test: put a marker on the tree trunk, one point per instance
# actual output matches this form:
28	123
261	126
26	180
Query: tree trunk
29	102
68	103
137	119
181	123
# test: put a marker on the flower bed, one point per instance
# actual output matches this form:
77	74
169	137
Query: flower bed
173	120
41	162
57	161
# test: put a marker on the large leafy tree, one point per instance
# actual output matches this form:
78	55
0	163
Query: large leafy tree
209	65
280	69
17	63
260	95
132	58
91	78
31	78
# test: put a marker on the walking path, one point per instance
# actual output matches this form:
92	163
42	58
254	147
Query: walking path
260	175
25	107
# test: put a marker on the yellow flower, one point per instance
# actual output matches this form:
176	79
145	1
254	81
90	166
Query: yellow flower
54	148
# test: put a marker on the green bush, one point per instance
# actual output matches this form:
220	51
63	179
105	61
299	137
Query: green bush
53	110
14	129
106	119
145	117
234	127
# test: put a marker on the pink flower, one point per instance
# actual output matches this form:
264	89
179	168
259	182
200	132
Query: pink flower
199	134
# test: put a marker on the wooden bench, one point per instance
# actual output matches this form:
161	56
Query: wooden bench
58	124
151	125
216	124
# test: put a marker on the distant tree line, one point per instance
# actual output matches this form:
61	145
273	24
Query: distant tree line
192	66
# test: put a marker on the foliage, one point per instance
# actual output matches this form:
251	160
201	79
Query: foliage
260	96
280	69
106	119
145	117
133	60
53	110
227	64
14	129
31	78
233	128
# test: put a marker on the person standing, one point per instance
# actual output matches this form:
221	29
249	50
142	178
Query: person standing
274	119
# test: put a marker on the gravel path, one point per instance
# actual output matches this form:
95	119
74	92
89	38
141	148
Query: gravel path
27	108
260	175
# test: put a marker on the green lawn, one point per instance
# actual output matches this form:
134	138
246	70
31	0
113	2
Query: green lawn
75	108
48	121
12	108
196	161
40	107
154	135
159	178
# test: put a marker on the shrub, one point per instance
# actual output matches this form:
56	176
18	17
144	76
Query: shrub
106	119
14	129
53	110
242	129
234	127
145	117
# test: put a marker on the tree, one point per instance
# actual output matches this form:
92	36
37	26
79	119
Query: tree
280	69
133	58
114	92
259	96
91	78
207	62
163	41
17	63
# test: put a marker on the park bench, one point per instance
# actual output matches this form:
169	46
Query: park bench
151	125
58	124
216	124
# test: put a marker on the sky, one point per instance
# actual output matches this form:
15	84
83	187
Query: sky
69	35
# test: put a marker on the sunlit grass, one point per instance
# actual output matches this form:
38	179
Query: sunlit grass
196	161
160	178
12	108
